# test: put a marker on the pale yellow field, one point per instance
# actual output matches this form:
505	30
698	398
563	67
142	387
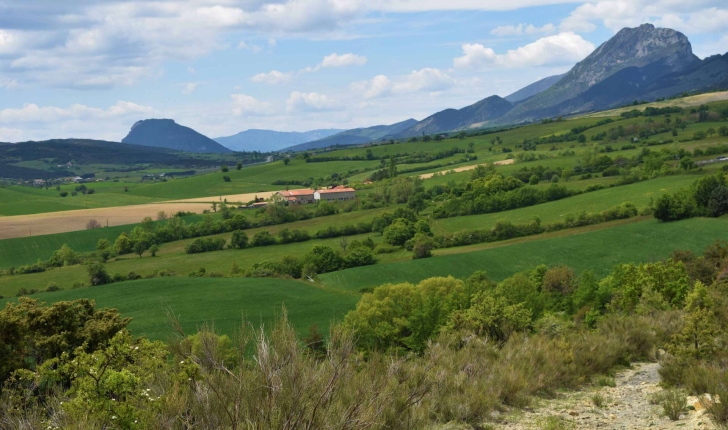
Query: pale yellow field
61	222
689	101
466	168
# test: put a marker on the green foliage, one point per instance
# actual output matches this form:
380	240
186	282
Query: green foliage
263	238
205	245
239	240
491	317
399	232
33	332
123	245
669	278
98	275
405	316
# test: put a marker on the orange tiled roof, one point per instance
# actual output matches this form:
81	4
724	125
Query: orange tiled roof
337	190
293	193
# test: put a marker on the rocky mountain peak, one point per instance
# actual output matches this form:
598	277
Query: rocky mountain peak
635	47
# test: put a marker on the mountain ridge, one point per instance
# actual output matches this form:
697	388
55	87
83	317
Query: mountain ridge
356	136
271	140
166	133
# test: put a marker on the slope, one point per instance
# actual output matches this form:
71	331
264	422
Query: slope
533	89
485	110
356	136
165	133
269	140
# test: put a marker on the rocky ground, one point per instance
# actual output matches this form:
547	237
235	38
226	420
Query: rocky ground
626	406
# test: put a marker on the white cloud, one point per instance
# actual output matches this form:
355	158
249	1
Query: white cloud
191	71
272	42
313	101
336	60
34	122
244	104
274	77
558	49
33	113
427	80
249	46
521	29
699	16
10	134
189	88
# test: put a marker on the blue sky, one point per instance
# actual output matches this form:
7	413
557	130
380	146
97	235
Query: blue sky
82	68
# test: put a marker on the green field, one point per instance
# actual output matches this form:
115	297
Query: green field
27	250
596	250
226	303
225	300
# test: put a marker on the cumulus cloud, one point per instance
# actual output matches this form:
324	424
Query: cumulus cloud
558	49
521	29
427	80
336	60
274	77
10	134
701	16
32	121
313	101
33	113
244	105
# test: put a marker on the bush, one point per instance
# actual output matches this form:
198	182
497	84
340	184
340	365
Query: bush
205	245
226	178
360	256
263	238
399	232
63	193
98	275
673	403
239	240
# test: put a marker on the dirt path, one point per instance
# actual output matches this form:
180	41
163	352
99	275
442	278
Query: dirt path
65	221
466	168
627	406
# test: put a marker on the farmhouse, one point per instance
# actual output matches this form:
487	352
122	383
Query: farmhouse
336	193
299	197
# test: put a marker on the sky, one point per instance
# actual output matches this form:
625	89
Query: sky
90	69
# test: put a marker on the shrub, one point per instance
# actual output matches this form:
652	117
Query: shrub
360	256
263	238
226	178
205	245
92	224
239	240
399	232
673	403
98	275
63	193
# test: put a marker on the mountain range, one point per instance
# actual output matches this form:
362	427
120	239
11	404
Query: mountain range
356	136
643	63
269	140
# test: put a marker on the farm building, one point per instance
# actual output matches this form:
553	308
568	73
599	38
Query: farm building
336	193
300	197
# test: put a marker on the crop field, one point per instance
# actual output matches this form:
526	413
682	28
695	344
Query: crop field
593	248
73	220
225	303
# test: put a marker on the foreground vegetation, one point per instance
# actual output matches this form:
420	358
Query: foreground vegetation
409	356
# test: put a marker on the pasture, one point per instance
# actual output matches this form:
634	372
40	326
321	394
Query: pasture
225	303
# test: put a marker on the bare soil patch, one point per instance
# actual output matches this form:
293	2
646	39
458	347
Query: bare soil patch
65	221
466	168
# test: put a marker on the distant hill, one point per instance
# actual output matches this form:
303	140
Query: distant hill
643	63
165	133
269	140
85	151
451	119
356	136
533	89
